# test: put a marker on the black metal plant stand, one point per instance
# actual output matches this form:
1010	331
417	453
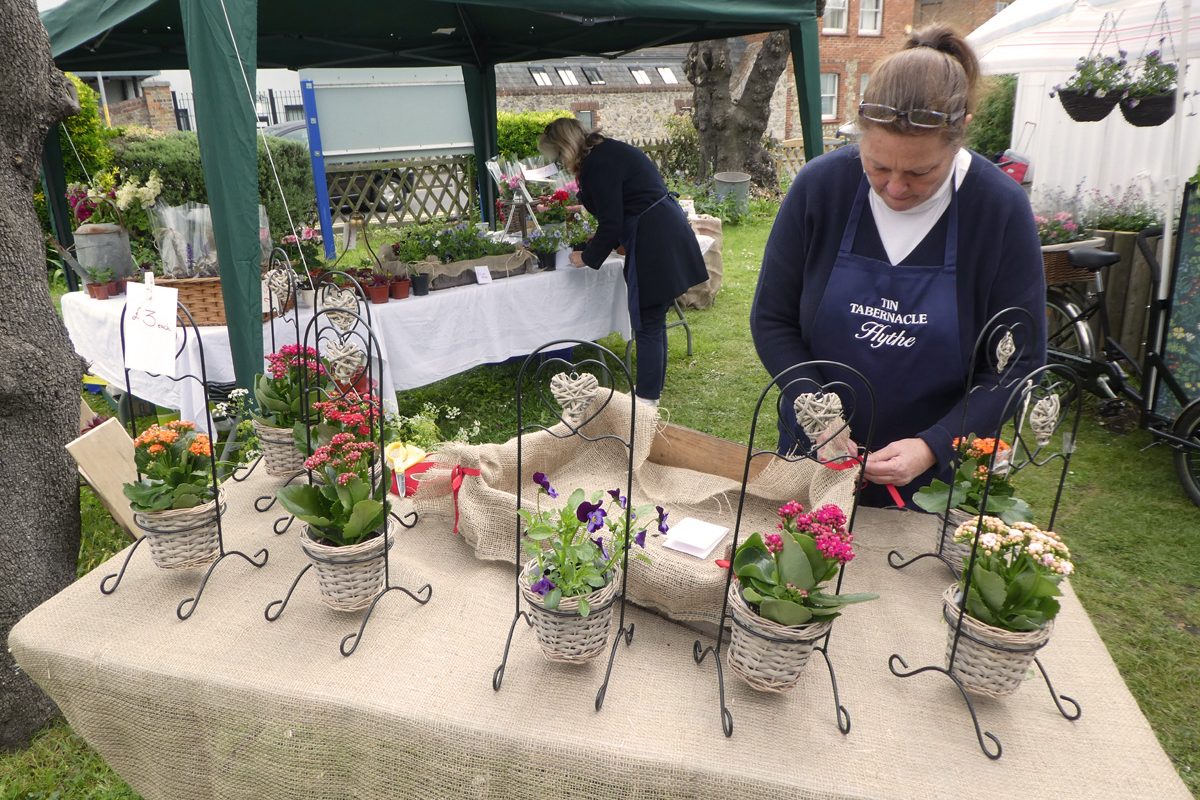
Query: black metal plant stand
851	390
352	351
111	582
573	415
1042	396
1001	348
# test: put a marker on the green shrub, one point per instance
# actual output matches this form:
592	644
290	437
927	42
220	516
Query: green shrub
990	132
517	134
176	156
682	154
89	135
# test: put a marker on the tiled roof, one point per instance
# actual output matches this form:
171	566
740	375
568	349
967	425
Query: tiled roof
615	72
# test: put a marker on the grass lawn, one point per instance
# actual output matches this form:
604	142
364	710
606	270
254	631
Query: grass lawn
1134	535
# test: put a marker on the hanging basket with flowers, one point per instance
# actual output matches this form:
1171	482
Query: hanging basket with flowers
1150	99
1092	91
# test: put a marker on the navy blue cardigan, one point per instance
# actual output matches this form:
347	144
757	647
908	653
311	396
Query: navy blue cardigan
999	265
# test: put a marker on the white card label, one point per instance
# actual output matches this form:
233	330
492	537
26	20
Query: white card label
150	326
695	537
483	275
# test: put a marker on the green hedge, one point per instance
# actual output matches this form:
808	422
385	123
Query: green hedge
990	131
176	156
517	134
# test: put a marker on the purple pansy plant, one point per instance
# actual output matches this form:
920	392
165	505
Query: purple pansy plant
541	480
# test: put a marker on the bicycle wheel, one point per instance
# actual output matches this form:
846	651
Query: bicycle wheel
1066	333
1187	458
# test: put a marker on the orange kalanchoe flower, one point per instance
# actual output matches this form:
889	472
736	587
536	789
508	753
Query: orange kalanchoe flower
155	434
200	446
155	449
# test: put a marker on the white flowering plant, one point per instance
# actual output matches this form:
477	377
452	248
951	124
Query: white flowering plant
1016	575
109	194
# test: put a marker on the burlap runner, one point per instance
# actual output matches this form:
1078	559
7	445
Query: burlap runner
677	585
229	707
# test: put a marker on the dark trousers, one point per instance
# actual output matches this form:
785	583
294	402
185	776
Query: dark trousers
652	352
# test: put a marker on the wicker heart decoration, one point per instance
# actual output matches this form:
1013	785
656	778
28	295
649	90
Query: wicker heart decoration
1044	418
333	297
280	284
817	411
346	361
574	393
1006	348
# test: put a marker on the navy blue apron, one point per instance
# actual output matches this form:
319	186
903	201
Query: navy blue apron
629	242
899	327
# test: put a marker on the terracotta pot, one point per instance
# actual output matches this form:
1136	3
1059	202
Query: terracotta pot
377	292
99	290
401	288
114	288
91	289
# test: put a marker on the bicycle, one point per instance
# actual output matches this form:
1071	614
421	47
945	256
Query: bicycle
1109	371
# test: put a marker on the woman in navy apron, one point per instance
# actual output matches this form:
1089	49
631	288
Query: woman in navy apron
620	186
891	256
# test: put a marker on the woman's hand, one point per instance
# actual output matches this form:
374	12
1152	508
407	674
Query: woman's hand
899	462
577	258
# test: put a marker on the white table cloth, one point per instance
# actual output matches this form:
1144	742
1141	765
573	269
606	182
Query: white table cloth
421	339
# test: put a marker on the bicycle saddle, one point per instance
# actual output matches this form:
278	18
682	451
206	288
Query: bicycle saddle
1091	259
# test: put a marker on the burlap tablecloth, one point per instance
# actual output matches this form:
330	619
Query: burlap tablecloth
227	706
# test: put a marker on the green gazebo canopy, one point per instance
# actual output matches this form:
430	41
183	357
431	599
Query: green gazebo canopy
223	41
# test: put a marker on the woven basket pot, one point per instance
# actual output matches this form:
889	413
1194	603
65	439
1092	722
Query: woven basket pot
280	455
183	538
1086	107
990	662
957	554
1058	266
348	577
564	635
768	656
1148	112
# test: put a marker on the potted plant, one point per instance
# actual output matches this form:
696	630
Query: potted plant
344	520
294	379
1117	219
545	244
575	554
375	282
113	216
402	283
1094	88
1010	606
1150	98
777	600
1059	232
965	497
101	284
304	248
174	503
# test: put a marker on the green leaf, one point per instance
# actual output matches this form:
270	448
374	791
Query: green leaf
794	566
934	497
978	609
596	581
540	532
366	516
1018	512
303	499
553	598
842	599
751	595
991	587
573	502
822	567
584	607
785	612
753	560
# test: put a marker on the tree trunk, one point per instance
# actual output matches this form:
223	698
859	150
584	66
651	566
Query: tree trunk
39	371
731	131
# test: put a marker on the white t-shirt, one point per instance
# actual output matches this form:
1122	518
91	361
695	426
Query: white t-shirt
901	231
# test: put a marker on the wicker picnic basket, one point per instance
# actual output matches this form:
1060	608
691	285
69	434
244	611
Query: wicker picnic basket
203	299
990	661
183	538
349	577
564	635
1058	268
768	656
280	455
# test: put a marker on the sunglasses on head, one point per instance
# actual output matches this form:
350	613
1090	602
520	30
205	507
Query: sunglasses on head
917	117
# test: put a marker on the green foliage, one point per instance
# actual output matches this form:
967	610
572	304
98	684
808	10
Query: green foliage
1099	75
176	465
681	156
1153	76
90	136
990	131
970	478
176	157
459	242
281	398
343	513
517	133
1129	212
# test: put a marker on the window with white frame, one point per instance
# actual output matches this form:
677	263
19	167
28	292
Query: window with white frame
586	119
567	76
835	16
829	95
593	76
640	76
870	16
540	76
667	75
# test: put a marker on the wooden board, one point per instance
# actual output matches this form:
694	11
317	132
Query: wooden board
105	458
677	446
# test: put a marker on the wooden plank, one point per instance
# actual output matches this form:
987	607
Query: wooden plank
105	459
677	446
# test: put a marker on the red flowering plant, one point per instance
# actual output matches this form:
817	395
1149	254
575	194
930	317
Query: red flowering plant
176	467
345	508
279	390
305	247
560	206
782	574
350	413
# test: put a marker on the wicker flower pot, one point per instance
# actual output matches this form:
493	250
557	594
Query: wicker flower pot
957	554
768	656
1148	112
1086	107
348	577
280	455
1059	268
563	634
990	661
183	538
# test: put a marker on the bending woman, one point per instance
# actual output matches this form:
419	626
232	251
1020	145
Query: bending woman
620	186
891	256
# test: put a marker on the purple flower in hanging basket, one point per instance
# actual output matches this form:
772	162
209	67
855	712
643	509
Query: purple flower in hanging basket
662	519
599	541
542	586
541	480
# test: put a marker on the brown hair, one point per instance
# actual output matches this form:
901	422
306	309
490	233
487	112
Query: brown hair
566	142
936	70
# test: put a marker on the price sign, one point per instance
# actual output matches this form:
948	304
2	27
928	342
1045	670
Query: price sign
150	326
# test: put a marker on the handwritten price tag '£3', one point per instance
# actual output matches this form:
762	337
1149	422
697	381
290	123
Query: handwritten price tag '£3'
150	325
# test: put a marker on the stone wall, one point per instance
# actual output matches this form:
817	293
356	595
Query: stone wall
154	109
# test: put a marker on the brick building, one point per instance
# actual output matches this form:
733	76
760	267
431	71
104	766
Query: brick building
964	15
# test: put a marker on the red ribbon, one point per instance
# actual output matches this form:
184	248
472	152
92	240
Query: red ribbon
854	461
456	479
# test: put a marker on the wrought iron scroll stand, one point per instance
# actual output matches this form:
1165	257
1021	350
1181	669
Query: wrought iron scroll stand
1040	395
349	334
111	582
574	414
827	427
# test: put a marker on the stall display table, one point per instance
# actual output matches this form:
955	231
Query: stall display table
422	339
229	706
